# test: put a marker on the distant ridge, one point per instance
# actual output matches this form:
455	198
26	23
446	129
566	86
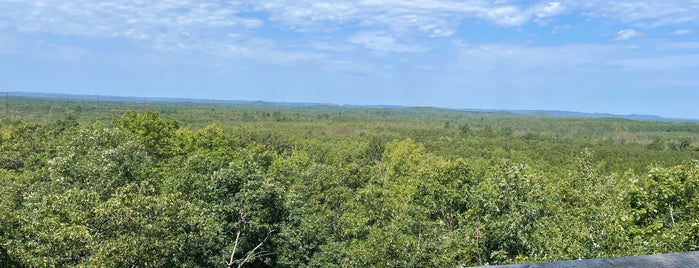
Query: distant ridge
545	113
587	115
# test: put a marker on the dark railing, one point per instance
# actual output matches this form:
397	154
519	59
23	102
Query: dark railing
683	259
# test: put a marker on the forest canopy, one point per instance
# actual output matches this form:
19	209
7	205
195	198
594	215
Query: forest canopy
210	185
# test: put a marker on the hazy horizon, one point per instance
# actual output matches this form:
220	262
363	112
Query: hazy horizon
161	99
620	57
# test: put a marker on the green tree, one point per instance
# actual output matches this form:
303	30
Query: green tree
153	131
657	144
54	229
508	208
138	226
665	209
99	159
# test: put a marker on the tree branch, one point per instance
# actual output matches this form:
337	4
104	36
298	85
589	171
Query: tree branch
250	255
238	228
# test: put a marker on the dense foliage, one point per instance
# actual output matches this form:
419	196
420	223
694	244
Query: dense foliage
215	185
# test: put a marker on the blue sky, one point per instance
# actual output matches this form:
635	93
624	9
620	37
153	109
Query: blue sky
593	56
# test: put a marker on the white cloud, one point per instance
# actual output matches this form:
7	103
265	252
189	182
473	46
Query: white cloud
329	46
682	32
567	58
522	58
549	10
544	12
233	28
141	19
659	63
626	34
108	18
435	18
682	45
381	42
641	12
209	27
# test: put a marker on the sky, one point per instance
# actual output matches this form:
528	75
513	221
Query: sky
622	57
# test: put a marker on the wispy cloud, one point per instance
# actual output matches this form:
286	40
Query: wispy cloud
124	18
434	18
682	32
218	28
626	34
381	42
660	63
681	45
641	12
524	58
321	30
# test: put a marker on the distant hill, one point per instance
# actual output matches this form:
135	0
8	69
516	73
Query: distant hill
546	113
587	115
